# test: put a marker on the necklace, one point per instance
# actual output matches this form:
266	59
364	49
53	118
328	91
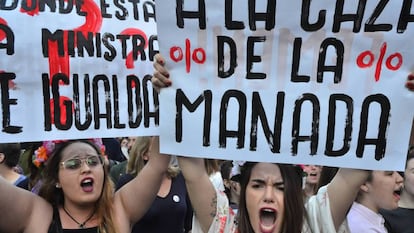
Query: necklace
81	225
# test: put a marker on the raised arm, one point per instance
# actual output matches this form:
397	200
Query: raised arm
345	185
199	187
22	211
136	197
201	191
343	190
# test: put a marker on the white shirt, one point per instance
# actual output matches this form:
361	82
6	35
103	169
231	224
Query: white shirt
319	218
217	181
363	219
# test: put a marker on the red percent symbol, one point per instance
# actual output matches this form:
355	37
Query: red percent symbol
198	55
388	62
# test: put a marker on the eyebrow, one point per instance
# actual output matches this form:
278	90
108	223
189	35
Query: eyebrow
263	182
82	157
85	155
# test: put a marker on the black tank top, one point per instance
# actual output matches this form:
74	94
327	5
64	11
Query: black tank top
56	226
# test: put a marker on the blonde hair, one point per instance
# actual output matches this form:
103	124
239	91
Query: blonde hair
211	166
139	149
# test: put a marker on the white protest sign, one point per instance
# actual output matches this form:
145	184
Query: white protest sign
77	69
310	82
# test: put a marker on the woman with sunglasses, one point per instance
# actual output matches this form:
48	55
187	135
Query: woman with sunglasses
77	195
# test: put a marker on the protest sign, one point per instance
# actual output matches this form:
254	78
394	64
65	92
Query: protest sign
77	69
310	82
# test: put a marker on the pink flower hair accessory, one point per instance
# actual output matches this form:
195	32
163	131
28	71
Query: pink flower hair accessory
42	154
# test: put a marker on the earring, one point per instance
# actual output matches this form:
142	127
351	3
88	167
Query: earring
58	186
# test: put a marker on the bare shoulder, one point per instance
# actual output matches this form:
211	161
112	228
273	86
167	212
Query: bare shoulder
40	217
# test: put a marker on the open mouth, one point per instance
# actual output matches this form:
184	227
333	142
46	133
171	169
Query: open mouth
87	185
267	219
397	192
313	174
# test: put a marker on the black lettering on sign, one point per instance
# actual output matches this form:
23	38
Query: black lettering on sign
340	17
115	100
252	58
87	102
147	113
133	80
238	100
381	141
314	136
149	10
239	133
57	80
370	25
8	42
6	101
273	138
152	51
330	129
180	100
106	114
46	102
229	22
221	41
322	67
181	14
304	19
91	44
61	110
405	16
337	68
269	17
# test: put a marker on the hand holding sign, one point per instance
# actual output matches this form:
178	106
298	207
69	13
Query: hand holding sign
269	109
410	82
160	78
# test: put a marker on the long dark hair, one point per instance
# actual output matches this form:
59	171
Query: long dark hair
294	213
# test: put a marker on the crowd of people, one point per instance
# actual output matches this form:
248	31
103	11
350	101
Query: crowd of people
112	185
272	196
126	185
80	192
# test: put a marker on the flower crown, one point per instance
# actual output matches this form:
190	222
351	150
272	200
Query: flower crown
42	154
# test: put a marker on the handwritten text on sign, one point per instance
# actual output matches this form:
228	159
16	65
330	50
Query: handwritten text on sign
76	69
314	82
